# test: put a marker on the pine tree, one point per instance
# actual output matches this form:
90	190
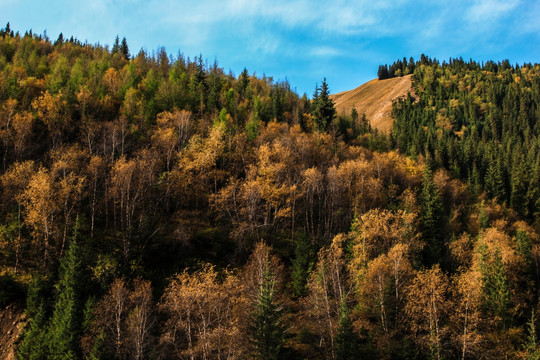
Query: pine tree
531	347
431	219
124	49
345	342
200	85
116	45
244	83
34	343
36	295
301	265
495	185
65	322
267	329
524	246
35	337
323	110
60	40
382	73
495	285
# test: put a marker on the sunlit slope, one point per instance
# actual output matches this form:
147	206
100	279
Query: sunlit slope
374	98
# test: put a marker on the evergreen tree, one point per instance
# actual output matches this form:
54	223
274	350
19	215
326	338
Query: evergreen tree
531	345
267	329
124	49
36	294
524	246
244	82
60	40
6	31
431	219
495	285
65	322
382	73
322	109
495	184
35	337
302	264
116	45
200	85
345	342
34	345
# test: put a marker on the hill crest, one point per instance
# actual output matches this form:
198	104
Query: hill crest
374	98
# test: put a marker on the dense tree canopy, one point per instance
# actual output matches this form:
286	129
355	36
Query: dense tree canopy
160	208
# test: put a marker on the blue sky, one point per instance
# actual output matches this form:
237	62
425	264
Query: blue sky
299	40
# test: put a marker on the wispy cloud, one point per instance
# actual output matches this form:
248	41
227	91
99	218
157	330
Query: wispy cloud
490	11
338	17
300	39
325	51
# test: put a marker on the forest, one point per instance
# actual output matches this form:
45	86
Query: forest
158	207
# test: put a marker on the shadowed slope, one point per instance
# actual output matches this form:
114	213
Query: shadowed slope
11	319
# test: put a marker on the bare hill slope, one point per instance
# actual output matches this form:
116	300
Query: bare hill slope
374	98
11	322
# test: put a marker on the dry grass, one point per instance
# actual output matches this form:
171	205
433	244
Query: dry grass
11	321
374	98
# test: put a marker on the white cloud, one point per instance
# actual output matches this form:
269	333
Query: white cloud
484	11
340	17
325	51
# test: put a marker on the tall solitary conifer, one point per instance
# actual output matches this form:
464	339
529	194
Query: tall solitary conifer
267	329
302	265
322	108
345	342
431	219
65	322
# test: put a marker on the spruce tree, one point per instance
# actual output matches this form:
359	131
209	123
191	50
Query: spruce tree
495	285
124	49
431	219
495	184
323	110
531	345
244	83
34	343
65	322
302	264
345	342
267	329
35	336
382	73
116	45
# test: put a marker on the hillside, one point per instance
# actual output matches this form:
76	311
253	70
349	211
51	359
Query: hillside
10	329
159	208
374	98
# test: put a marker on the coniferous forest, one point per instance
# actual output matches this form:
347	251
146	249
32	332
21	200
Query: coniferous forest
159	207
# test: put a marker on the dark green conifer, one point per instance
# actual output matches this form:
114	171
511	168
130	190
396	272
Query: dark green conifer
322	108
431	219
34	345
116	45
266	329
65	323
124	49
345	342
302	264
495	285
